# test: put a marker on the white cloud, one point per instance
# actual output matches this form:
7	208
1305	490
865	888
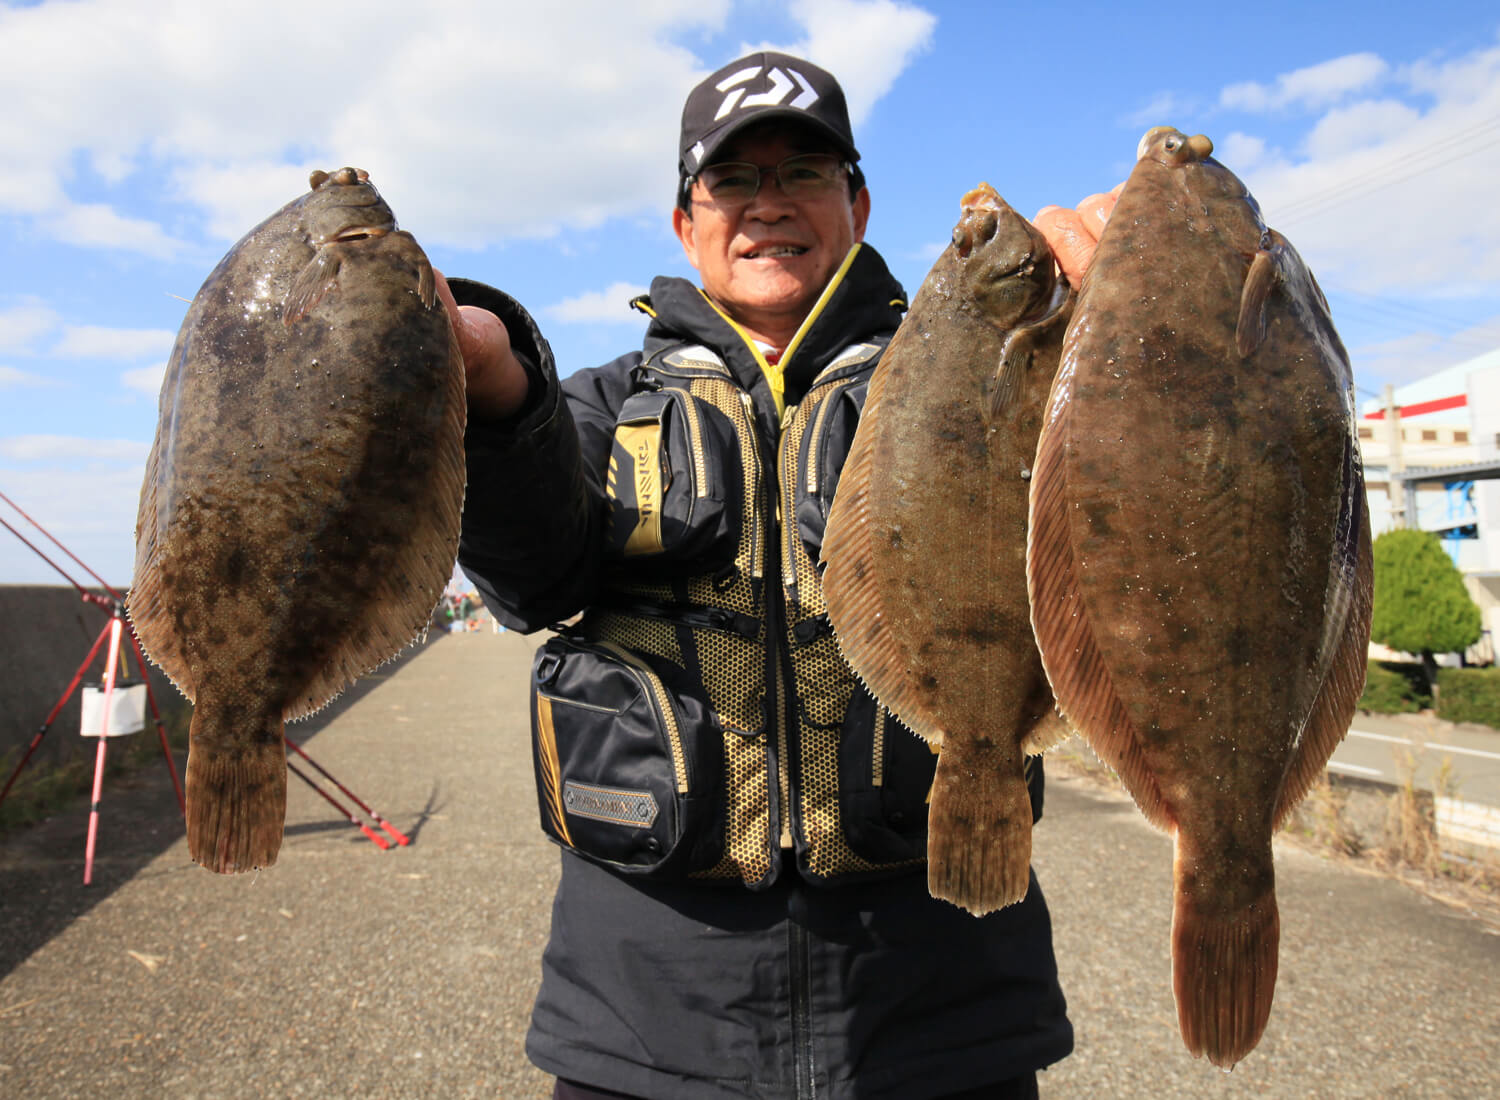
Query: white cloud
22	326
10	376
445	106
1383	197
145	380
867	43
100	342
90	511
97	225
1311	88
1371	122
608	306
46	448
1163	109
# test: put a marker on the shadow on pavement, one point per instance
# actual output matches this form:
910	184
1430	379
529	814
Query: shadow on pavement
41	868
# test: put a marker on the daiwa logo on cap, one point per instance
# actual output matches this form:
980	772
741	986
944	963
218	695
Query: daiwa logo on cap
762	84
775	96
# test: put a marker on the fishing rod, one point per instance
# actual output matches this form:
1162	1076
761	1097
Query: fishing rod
400	837
103	583
379	840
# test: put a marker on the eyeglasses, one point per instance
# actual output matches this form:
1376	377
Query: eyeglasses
804	176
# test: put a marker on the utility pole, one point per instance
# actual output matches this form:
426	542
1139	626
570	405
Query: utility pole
1395	465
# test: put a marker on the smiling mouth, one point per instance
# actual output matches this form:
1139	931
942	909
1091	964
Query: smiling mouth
774	252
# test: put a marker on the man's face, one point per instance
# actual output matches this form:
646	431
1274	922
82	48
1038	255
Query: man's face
766	262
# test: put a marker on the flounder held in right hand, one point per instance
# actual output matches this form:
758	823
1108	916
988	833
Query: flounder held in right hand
300	510
926	541
1199	558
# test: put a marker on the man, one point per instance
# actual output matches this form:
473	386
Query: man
742	910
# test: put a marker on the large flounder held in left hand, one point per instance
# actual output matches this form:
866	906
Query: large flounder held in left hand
1200	562
300	511
926	542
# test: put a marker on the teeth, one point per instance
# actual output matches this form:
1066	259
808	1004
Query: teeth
787	250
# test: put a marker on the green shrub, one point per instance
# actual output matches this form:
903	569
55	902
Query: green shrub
1391	689
1470	695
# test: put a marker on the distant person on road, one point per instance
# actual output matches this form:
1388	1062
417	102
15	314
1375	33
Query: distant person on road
743	908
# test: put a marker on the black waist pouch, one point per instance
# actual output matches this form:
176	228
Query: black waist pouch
629	761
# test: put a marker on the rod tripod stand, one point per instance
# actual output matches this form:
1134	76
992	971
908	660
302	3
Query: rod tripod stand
115	630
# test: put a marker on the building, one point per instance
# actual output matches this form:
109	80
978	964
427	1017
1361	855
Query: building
1431	452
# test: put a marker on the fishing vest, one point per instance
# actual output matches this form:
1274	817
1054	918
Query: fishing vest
699	721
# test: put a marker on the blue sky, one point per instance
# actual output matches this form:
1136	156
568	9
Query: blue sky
532	146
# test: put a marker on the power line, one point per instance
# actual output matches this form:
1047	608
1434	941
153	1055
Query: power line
1402	168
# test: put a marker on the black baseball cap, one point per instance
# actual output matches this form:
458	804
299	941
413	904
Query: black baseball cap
757	87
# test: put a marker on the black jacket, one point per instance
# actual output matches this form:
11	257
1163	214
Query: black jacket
696	728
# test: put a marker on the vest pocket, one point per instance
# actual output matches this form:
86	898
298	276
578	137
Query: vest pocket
673	481
885	777
628	768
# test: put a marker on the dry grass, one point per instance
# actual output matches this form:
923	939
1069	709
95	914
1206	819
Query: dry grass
1397	840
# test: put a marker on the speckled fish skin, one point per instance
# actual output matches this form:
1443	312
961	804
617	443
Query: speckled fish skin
926	540
1200	553
300	511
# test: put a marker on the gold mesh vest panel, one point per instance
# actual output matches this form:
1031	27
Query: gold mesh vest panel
795	751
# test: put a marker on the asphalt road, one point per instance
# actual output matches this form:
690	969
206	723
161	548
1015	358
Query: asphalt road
1386	748
350	971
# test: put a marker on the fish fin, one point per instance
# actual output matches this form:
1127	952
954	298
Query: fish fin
1019	348
312	283
1010	374
1328	721
1048	731
149	619
1262	278
236	793
1085	692
426	283
851	592
399	608
1047	727
979	826
1223	970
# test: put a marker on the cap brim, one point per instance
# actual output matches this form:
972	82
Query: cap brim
715	140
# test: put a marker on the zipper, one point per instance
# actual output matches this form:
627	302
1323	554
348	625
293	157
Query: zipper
799	958
695	439
786	491
747	405
657	692
814	435
877	763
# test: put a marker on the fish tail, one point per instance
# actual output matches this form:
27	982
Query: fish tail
236	795
1223	971
979	827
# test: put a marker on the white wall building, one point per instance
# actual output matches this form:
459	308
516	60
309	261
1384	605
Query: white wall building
1441	454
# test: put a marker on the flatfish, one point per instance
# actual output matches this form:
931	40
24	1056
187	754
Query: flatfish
300	511
926	543
1199	558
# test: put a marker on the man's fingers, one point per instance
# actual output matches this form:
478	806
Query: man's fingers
1095	211
1069	237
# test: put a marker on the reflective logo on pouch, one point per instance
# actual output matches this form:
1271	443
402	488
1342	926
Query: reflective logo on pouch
634	808
642	444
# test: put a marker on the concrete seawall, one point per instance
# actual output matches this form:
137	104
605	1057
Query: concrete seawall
47	632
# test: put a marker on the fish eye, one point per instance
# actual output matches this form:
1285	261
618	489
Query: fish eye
1172	144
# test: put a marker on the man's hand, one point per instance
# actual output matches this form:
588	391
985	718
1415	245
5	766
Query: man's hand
1074	234
497	383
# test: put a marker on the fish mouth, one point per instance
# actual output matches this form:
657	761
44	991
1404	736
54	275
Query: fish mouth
361	232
